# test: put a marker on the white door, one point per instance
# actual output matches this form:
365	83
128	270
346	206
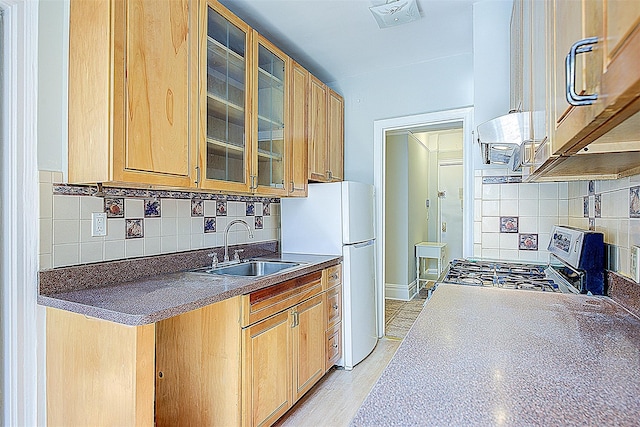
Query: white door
450	202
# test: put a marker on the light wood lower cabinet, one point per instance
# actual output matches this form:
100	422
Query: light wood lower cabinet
308	345
332	282
242	361
99	373
198	369
267	356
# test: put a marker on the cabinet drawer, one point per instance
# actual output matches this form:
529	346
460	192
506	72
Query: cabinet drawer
334	346
333	306
265	302
332	276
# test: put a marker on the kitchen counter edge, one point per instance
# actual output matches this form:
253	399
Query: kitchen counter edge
155	298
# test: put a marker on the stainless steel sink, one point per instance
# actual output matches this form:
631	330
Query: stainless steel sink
252	268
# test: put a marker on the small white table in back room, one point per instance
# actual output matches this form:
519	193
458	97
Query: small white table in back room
428	250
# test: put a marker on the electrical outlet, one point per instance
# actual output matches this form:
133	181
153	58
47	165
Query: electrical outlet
635	263
98	224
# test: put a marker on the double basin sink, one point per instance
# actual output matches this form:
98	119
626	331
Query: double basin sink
251	268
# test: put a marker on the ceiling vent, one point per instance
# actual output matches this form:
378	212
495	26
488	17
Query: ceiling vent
395	12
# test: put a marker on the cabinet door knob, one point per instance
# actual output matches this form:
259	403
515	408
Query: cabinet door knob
335	306
581	46
334	276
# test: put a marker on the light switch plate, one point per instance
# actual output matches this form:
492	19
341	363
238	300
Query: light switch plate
98	224
635	263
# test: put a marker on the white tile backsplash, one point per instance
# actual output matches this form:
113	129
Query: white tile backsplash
508	192
509	207
169	208
490	207
65	227
66	207
66	231
133	208
538	206
89	205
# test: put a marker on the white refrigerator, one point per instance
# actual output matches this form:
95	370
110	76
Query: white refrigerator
338	219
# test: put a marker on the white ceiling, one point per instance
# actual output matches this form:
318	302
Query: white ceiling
337	39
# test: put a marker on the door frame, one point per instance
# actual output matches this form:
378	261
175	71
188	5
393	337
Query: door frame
23	379
380	127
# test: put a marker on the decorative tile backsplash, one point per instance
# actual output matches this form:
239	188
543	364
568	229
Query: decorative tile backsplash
143	222
613	208
513	219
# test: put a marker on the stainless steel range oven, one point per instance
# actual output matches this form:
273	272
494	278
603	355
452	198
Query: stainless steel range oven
576	264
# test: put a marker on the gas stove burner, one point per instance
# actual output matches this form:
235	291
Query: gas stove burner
471	281
500	274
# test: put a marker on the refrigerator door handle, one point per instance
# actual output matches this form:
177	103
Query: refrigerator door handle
363	244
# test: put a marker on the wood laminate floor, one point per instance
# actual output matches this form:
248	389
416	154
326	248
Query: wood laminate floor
334	401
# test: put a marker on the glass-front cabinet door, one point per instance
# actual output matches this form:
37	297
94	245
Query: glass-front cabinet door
269	171
225	116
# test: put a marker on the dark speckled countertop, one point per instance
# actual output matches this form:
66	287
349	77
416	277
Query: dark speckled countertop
153	298
491	357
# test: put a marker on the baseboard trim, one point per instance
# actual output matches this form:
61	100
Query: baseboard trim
400	291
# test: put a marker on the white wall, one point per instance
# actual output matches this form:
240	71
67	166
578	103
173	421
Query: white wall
443	84
407	187
418	184
479	78
491	55
396	212
53	57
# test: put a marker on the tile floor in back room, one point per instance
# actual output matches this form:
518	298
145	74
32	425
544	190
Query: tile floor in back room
399	315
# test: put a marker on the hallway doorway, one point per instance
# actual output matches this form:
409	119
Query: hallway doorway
461	120
423	201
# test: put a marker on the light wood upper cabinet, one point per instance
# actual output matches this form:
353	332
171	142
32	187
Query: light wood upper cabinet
298	146
609	70
184	94
326	133
132	92
317	130
225	107
597	140
270	117
335	145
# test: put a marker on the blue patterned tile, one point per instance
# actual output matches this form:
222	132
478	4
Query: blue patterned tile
210	224
151	208
250	209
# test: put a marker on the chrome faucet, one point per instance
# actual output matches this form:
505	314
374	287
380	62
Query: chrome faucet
226	236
